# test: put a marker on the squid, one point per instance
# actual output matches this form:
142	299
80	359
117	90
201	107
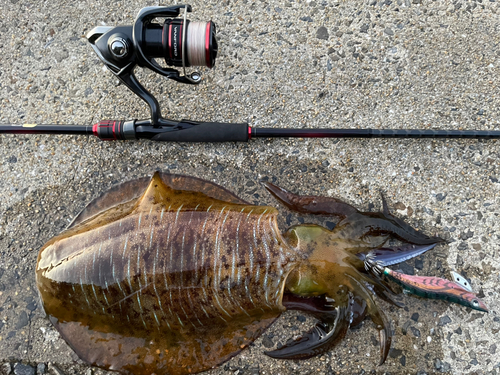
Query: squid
175	275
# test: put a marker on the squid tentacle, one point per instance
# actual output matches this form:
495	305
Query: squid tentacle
380	287
405	226
318	306
386	294
358	310
320	339
385	206
378	317
371	222
368	224
310	204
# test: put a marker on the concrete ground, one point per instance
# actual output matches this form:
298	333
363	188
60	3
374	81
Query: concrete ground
283	63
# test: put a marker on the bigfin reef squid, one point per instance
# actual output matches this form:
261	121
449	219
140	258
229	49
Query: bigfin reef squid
176	275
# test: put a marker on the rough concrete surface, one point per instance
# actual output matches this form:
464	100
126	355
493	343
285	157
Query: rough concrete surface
285	63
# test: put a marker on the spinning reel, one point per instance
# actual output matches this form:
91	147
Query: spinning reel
181	43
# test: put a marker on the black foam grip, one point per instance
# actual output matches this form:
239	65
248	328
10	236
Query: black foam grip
207	132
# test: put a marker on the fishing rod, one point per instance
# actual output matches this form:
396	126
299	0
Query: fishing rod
182	43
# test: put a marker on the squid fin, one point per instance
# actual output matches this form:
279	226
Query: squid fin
118	194
132	190
317	341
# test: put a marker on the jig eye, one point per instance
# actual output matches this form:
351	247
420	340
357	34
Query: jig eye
475	303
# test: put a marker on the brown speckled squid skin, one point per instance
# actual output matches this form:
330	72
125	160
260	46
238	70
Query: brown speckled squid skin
175	275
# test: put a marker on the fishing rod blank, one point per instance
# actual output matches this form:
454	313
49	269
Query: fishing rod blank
374	133
46	129
193	131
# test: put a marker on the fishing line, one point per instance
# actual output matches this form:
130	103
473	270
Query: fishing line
196	43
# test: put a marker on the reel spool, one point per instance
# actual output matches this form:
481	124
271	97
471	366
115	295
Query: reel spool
182	43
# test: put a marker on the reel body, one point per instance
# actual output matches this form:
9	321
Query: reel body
180	42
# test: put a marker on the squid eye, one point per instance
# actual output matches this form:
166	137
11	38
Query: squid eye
475	303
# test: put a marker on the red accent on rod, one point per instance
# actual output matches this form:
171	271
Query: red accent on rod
94	129
207	45
249	132
114	134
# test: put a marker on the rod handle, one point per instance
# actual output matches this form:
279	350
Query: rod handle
190	131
